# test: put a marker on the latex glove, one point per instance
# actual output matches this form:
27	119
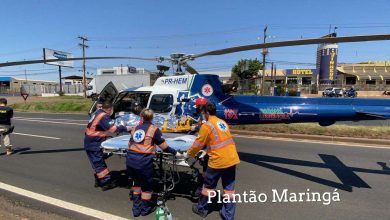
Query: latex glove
128	128
180	155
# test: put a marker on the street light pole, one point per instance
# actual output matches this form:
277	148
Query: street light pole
264	53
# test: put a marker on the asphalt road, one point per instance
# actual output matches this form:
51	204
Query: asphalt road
59	168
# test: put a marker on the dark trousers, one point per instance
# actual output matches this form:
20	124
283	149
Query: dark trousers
142	189
212	176
201	175
96	158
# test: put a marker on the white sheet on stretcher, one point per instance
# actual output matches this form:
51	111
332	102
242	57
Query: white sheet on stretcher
178	142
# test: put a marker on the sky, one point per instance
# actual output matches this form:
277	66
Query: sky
152	28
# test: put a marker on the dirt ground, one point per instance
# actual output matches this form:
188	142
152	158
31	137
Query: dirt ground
15	210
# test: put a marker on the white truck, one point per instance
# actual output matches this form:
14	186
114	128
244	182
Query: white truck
121	82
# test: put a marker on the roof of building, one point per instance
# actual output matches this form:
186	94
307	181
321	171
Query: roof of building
75	77
5	78
370	71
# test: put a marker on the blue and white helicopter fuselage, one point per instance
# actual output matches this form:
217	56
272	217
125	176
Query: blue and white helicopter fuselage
176	95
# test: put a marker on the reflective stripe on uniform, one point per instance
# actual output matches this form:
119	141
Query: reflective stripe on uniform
146	195
97	133
97	120
102	173
207	191
146	147
197	144
142	148
91	131
149	135
215	134
136	190
220	145
229	193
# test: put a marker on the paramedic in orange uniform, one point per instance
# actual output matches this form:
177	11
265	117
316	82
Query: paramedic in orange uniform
223	158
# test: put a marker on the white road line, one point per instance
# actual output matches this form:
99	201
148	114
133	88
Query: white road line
59	203
346	144
53	122
51	113
40	136
54	119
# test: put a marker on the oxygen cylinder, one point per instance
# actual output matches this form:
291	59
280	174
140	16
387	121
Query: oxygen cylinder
162	213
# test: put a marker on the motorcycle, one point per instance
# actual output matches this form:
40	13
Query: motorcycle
351	93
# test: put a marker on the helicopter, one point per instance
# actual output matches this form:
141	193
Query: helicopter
176	95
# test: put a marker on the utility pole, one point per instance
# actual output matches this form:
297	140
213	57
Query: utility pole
264	52
83	45
60	72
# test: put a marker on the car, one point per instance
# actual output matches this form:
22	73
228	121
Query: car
333	92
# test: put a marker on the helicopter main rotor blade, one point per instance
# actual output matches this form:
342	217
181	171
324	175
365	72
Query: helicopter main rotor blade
189	68
295	43
27	62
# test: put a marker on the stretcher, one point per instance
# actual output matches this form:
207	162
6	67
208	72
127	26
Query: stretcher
179	142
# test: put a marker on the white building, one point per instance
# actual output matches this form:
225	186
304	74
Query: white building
121	70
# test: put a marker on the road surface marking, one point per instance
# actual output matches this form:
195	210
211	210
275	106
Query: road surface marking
51	113
346	144
59	203
54	119
40	136
53	122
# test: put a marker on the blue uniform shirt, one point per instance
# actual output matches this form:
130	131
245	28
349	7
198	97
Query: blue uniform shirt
137	160
104	127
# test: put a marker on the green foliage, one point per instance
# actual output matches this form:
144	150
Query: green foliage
381	132
56	104
239	71
281	90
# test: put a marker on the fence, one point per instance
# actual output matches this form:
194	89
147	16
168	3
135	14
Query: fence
39	89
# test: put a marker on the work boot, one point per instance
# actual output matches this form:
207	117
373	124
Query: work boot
149	211
196	211
97	184
108	186
9	152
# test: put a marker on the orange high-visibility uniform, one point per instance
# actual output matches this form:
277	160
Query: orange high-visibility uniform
215	135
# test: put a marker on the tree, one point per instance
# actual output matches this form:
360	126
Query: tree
246	69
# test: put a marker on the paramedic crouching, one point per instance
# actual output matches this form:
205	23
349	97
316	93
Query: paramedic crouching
139	162
6	113
223	158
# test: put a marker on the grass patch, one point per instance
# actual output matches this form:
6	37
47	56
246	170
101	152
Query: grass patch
56	104
376	132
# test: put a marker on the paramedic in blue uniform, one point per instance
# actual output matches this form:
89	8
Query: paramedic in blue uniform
99	127
139	162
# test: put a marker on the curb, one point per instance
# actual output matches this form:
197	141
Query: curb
314	137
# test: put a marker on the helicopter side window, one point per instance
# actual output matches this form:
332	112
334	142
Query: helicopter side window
161	103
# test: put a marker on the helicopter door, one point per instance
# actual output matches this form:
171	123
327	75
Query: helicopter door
108	93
